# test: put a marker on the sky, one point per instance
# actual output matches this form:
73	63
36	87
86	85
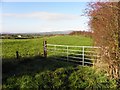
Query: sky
34	17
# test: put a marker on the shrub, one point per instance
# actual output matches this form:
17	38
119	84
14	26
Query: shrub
26	82
11	83
44	80
88	78
63	78
59	78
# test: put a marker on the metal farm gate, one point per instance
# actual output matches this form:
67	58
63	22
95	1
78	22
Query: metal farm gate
83	55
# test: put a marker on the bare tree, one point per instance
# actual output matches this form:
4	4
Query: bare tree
104	22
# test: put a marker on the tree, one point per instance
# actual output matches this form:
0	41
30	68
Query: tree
104	22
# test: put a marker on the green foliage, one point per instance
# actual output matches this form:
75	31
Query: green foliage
11	83
63	78
26	82
43	80
59	78
87	78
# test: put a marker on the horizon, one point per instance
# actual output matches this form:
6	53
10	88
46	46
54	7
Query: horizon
43	32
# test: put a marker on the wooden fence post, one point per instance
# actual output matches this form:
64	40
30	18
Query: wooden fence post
17	55
45	48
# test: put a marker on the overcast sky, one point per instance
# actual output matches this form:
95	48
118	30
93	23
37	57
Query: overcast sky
27	17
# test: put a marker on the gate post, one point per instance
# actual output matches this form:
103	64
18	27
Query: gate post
45	48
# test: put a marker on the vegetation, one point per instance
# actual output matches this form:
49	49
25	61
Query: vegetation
84	33
31	60
62	78
26	47
106	34
30	66
33	47
34	71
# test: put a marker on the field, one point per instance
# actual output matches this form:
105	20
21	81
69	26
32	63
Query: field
33	47
35	71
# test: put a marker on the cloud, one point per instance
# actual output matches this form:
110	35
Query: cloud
42	22
44	16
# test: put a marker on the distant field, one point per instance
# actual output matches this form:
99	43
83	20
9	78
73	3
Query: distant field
32	47
71	40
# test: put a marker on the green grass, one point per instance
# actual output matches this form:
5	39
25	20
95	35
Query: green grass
70	40
38	72
32	47
62	78
30	66
29	48
24	46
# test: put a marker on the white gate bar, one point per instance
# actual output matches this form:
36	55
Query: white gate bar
73	46
75	57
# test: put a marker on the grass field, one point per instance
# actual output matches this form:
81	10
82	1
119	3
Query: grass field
33	47
37	72
30	48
